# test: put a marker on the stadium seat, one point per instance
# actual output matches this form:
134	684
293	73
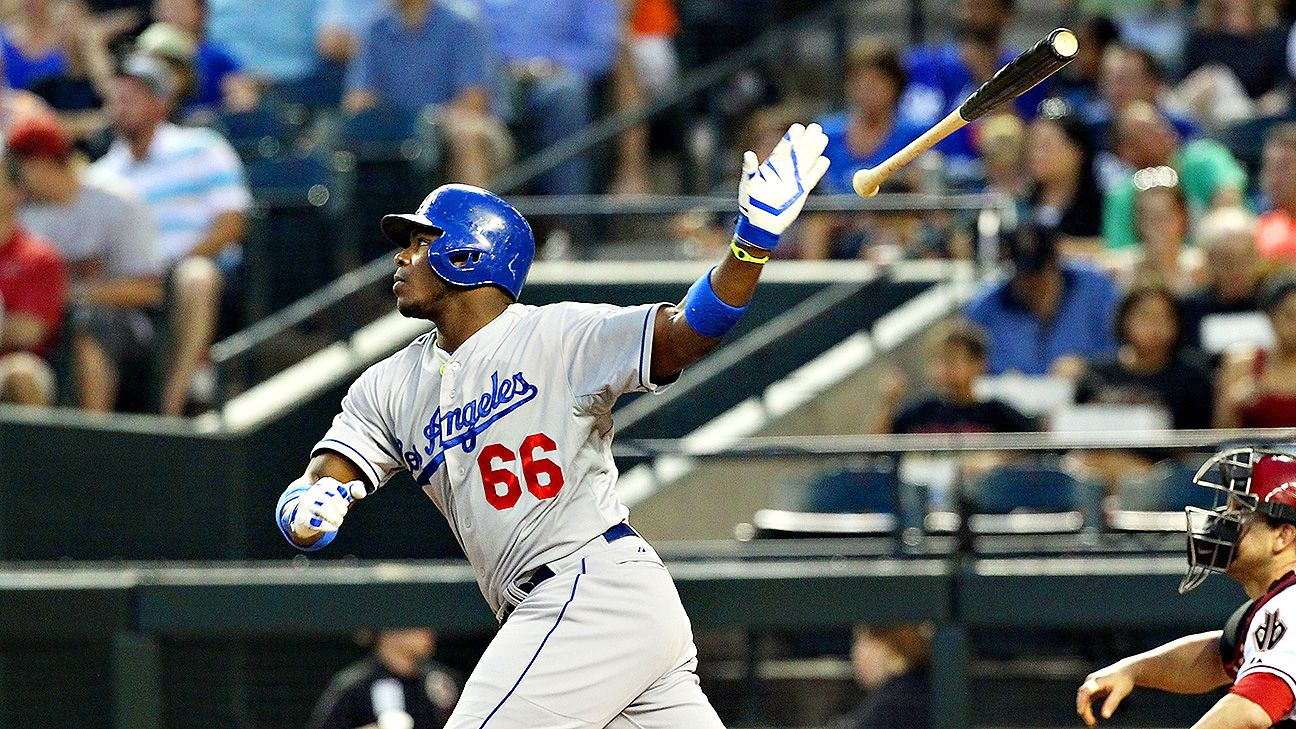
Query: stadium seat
1154	502
260	132
292	248
862	499
393	158
1026	499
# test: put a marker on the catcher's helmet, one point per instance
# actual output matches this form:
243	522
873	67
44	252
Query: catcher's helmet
1246	481
484	241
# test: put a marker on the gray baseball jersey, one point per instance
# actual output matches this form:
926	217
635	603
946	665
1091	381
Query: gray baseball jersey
510	435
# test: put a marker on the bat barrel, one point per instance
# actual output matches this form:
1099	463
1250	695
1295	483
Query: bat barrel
1022	73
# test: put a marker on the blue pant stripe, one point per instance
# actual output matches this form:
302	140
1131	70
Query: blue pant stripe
561	613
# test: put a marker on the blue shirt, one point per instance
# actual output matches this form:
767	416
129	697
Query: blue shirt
844	160
23	72
274	39
211	65
939	81
1084	324
579	35
431	63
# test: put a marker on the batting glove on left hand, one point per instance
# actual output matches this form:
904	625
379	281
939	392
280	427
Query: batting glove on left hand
322	507
771	195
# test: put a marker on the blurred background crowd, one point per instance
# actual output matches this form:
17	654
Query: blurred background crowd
175	171
172	172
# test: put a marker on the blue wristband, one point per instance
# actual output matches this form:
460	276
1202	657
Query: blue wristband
748	233
706	313
285	519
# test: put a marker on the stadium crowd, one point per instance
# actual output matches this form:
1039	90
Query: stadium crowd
137	133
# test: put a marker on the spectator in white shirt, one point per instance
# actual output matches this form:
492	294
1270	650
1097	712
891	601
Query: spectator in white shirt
193	184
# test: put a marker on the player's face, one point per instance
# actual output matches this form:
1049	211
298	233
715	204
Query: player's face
418	289
1254	549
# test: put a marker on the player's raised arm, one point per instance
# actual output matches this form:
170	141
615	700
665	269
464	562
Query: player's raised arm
770	197
312	508
1189	665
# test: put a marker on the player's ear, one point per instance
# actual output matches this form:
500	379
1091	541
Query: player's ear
1284	538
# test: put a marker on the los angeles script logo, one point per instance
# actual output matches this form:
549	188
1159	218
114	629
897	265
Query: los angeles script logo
459	427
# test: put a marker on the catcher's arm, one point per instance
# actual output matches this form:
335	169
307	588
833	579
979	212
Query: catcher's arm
770	197
1189	665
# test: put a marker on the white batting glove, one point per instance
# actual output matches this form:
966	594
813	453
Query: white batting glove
322	507
771	195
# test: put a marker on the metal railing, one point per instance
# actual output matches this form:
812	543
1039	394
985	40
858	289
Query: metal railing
820	446
231	356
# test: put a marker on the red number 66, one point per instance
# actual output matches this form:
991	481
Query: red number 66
544	478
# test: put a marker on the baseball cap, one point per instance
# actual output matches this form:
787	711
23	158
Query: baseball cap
167	40
39	137
153	73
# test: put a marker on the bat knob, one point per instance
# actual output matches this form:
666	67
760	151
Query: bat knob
865	183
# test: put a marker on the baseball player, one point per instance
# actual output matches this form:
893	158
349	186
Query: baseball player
1250	536
503	417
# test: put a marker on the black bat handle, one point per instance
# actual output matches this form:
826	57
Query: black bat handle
1022	73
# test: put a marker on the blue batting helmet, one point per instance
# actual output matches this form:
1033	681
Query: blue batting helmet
484	241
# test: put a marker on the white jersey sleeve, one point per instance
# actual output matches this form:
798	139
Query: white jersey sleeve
363	432
608	349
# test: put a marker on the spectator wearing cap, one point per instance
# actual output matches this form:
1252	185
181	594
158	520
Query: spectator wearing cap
106	236
1208	174
423	53
193	185
1050	316
212	80
551	54
1276	230
274	41
33	291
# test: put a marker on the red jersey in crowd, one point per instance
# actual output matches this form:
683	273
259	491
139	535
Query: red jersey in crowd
1276	236
33	281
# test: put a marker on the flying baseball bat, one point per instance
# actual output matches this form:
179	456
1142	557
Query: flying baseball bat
1019	76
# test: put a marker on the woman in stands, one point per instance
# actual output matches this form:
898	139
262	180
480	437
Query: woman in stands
1150	369
1065	197
1257	387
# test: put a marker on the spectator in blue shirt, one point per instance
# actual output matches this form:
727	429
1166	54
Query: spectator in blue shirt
862	136
869	130
216	79
1049	317
421	53
273	39
552	53
941	77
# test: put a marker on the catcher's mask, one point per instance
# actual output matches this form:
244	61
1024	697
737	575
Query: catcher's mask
1247	482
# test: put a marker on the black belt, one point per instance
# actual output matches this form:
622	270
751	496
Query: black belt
542	573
